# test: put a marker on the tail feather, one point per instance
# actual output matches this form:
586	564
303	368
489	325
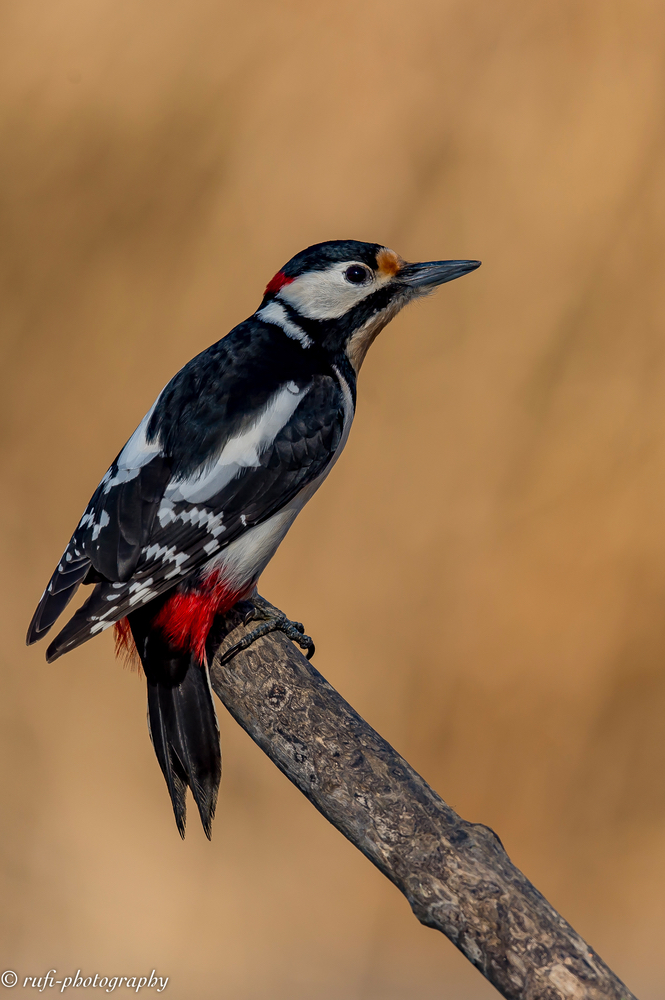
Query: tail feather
161	710
182	720
184	732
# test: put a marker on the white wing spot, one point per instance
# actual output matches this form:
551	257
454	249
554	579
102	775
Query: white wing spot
88	518
203	519
103	521
141	592
165	513
100	626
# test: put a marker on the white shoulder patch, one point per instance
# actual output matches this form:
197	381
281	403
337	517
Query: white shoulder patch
242	451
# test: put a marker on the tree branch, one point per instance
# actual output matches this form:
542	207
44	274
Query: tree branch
456	875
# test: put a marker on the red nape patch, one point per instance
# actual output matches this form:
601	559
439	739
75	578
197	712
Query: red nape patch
125	646
276	283
186	619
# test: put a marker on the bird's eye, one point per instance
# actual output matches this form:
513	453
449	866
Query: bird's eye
357	275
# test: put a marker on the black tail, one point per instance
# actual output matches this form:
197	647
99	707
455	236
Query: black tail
182	720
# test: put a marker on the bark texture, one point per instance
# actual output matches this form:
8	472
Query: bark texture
456	875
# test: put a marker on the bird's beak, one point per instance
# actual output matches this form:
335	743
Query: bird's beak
435	272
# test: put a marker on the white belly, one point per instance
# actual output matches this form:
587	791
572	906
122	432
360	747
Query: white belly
242	562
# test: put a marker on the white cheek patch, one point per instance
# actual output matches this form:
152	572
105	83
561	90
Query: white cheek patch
326	294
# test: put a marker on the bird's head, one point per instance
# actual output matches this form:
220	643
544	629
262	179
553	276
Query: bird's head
339	295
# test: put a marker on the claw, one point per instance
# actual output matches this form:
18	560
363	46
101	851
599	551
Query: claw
273	621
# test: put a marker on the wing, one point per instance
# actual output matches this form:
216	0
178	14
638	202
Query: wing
290	444
108	540
207	403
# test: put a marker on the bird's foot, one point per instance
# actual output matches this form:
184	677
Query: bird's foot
271	620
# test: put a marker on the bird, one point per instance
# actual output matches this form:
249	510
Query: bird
198	500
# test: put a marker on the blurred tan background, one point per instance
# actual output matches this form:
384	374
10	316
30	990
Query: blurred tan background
484	572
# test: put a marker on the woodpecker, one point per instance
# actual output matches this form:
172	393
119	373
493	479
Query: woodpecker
195	505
